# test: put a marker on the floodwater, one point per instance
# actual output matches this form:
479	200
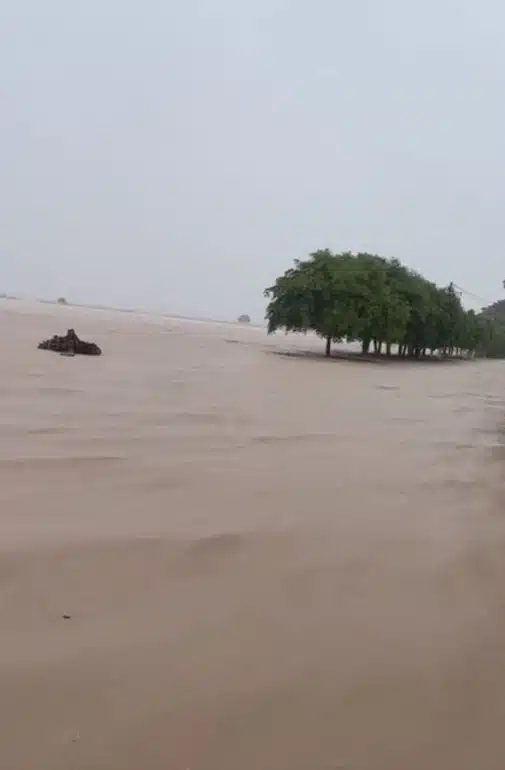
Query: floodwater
269	562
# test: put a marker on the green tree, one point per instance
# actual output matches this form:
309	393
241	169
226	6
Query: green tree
385	314
322	294
367	298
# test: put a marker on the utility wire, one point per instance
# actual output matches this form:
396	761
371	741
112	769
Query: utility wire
485	302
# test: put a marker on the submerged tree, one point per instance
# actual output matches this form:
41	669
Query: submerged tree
325	294
380	302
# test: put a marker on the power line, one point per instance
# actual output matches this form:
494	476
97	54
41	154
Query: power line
485	302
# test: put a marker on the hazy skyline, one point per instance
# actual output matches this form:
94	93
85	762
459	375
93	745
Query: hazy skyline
178	157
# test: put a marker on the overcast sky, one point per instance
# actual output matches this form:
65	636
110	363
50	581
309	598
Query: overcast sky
178	155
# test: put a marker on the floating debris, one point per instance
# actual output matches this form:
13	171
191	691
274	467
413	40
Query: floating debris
70	345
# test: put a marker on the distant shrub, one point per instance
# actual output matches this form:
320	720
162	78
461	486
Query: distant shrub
62	301
244	319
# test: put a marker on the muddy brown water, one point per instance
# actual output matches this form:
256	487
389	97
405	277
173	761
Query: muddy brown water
269	562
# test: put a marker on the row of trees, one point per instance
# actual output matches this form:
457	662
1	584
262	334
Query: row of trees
379	302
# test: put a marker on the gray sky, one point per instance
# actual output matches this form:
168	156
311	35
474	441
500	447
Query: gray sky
179	155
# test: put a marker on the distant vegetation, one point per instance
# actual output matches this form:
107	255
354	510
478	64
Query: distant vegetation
382	304
494	315
244	319
62	301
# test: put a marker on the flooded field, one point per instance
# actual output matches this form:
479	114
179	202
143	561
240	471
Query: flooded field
269	562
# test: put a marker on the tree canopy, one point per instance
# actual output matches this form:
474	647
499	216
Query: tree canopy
493	316
378	302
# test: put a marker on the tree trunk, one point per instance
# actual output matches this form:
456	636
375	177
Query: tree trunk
328	347
388	348
379	347
365	346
